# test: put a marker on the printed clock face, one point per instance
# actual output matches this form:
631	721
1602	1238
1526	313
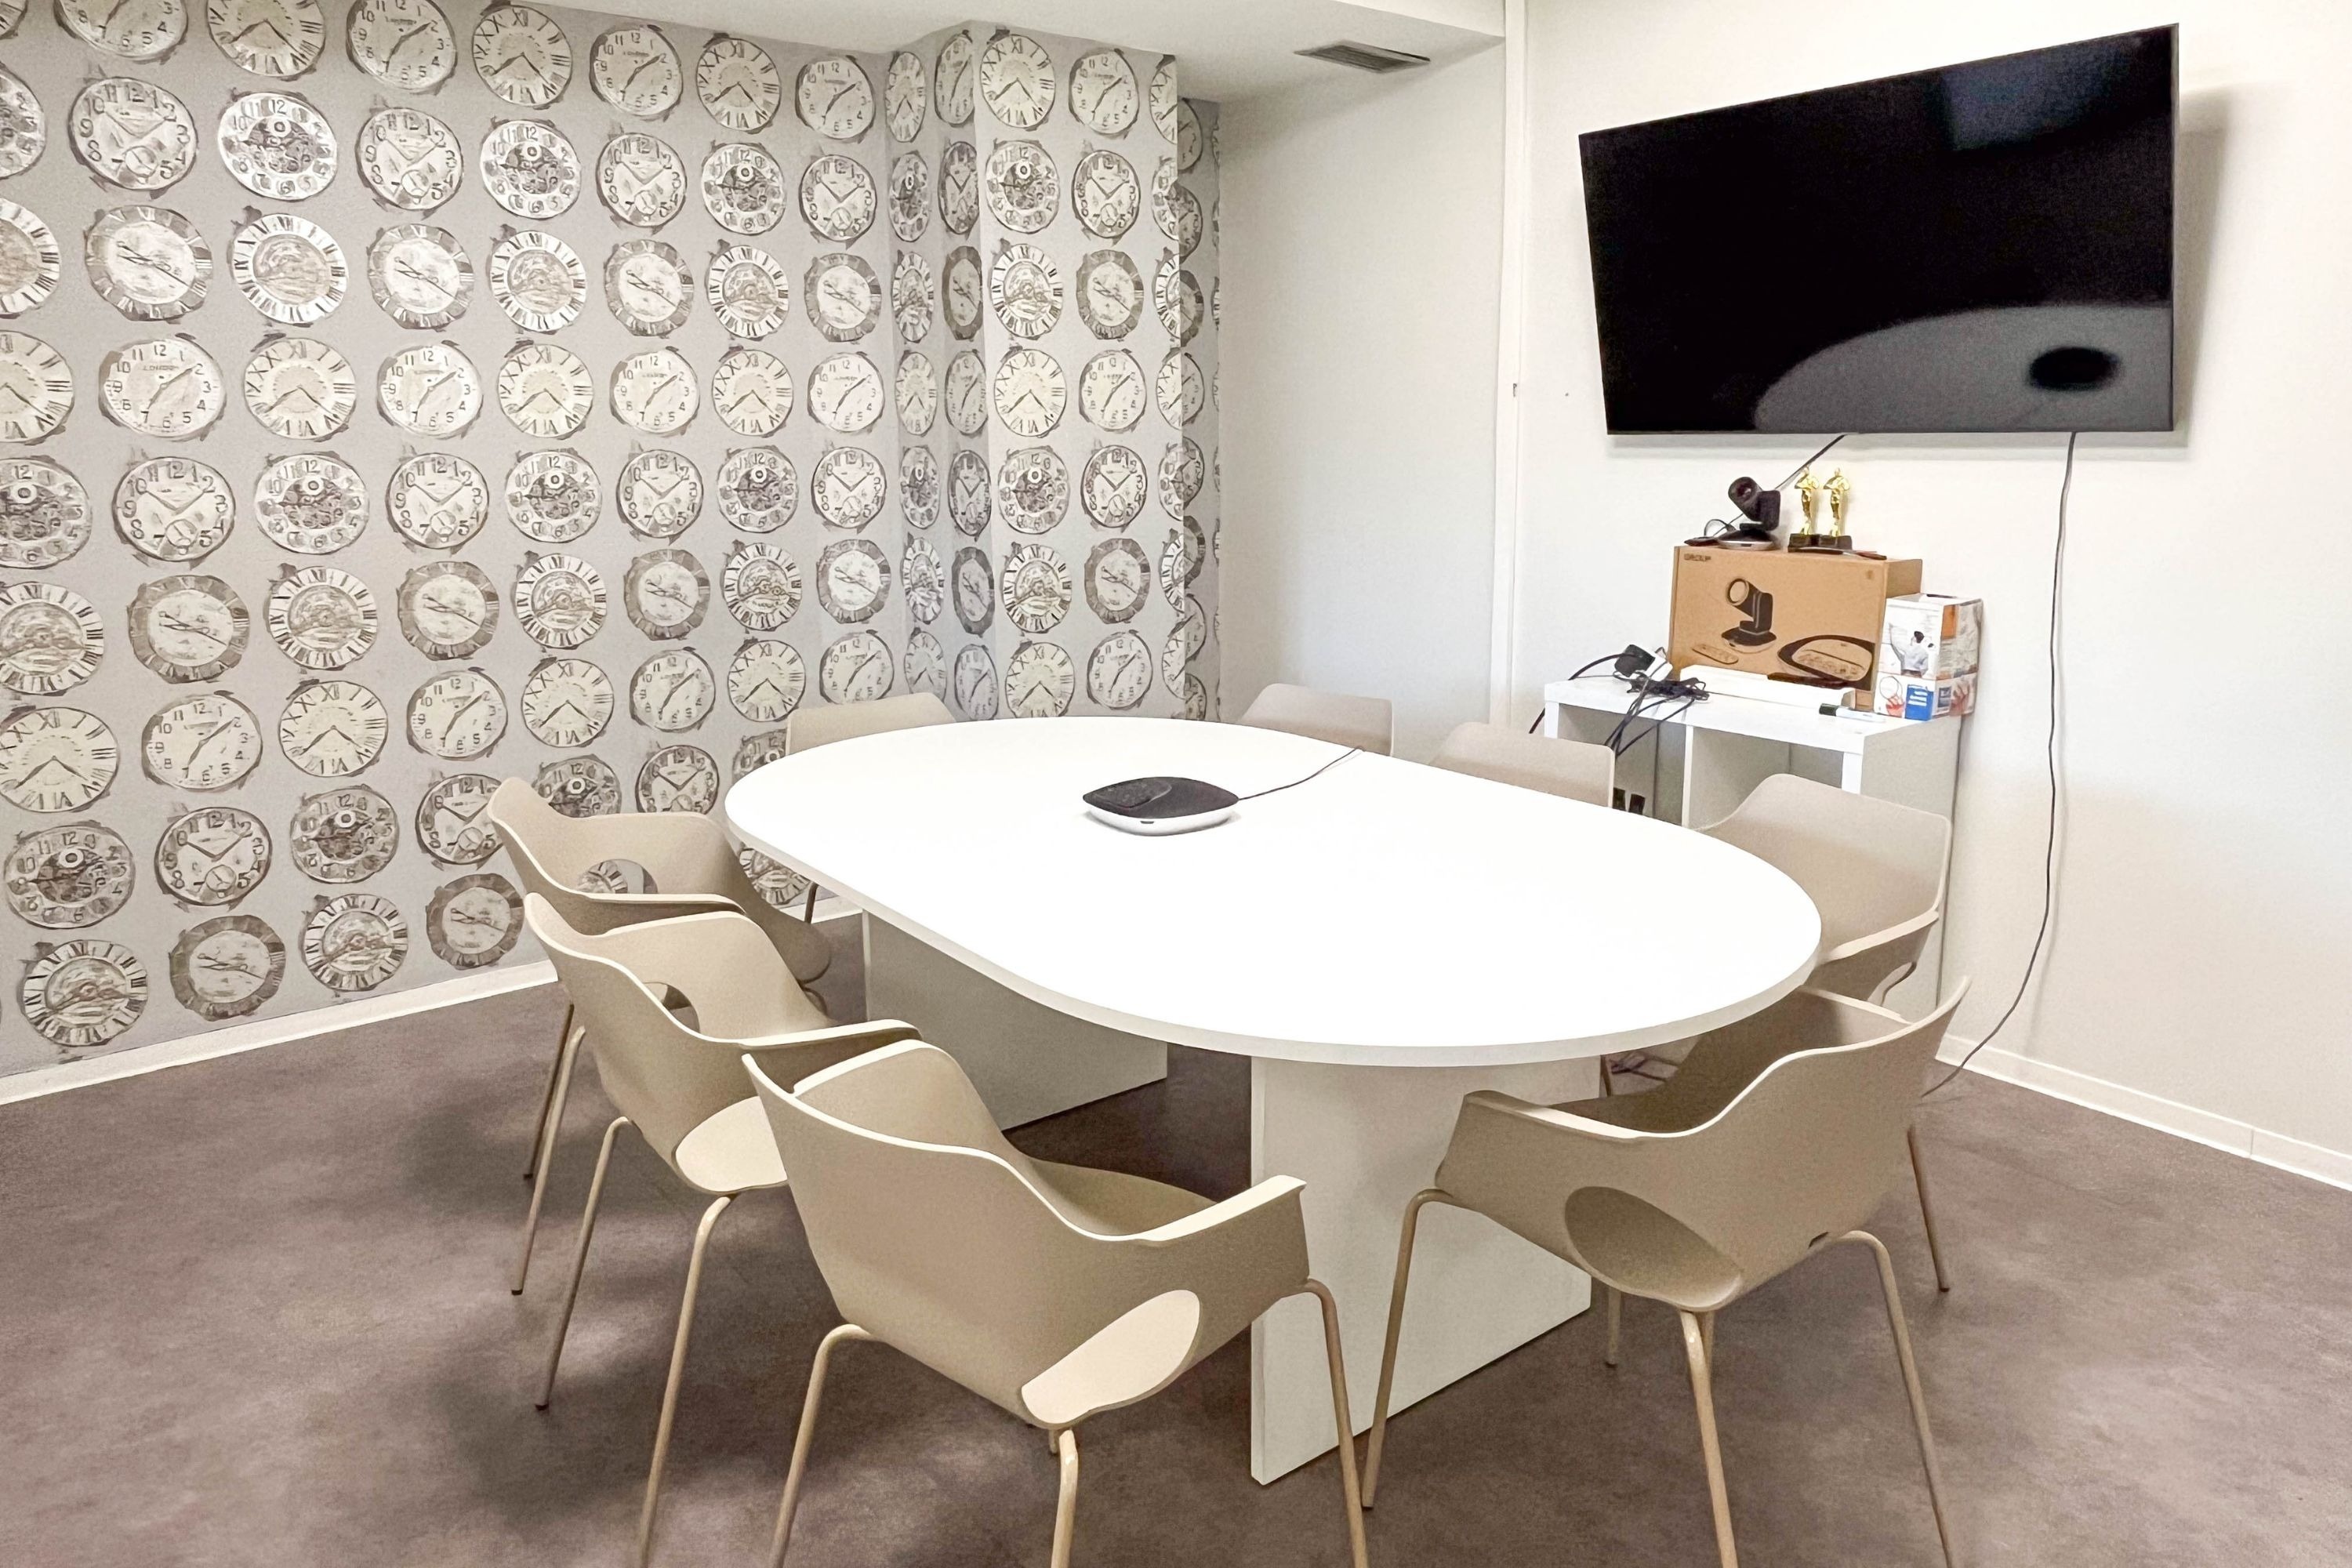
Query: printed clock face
332	728
566	703
312	505
972	588
410	159
848	488
545	390
1033	488
857	669
1104	92
321	618
962	289
636	71
835	98
846	394
228	967
1118	672
839	198
421	276
61	878
965	393
1039	681
926	577
926	663
1164	100
1024	187
213	857
30	259
132	133
457	716
405	44
743	188
761	585
1183	392
1016	80
132	30
1106	194
560	601
853	580
967	499
906	96
679	778
659	492
537	280
149	263
300	388
188	628
974	681
521	55
757	489
83	994
655	392
751	292
754	390
1110	293
918	388
666	592
354	942
1030	391
959	187
55	759
44	513
345	835
648	287
432	389
919	489
206	743
766	681
1119	580
168	388
673	692
910	196
531	168
1025	289
453	819
437	500
641	180
278	38
277	146
580	786
35	388
955	78
1036	586
173	509
51	638
474	920
844	296
24	129
738	83
1114	487
449	609
290	268
1111	391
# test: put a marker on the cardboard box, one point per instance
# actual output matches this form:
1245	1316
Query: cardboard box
1927	650
1781	612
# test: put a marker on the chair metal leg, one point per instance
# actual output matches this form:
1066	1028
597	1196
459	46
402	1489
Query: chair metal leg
1341	1414
554	1123
1389	1349
1706	1342
580	1256
1703	1392
1928	1211
1910	1384
677	1376
1065	1507
547	1096
1616	1317
807	1433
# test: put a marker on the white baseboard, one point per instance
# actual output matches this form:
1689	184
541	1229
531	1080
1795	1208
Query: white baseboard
38	1081
2321	1164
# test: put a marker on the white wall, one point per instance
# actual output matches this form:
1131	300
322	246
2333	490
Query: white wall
2204	934
1362	232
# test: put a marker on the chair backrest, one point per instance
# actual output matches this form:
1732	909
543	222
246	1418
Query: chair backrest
1866	864
1367	724
928	1231
551	853
811	727
667	1077
1575	770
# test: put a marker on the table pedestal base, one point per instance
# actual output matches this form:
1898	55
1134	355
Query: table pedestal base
1027	1060
1365	1140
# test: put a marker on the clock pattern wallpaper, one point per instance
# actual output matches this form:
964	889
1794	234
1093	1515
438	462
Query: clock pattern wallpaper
400	395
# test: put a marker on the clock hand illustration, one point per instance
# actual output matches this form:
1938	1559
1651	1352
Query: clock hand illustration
334	729
188	628
219	966
433	283
153	263
463	709
401	42
456	612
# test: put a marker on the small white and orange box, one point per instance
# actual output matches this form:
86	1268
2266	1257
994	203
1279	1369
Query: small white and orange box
1927	649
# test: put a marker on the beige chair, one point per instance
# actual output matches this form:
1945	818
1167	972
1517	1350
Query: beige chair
1367	724
681	1086
693	870
810	727
1574	770
1875	871
1776	1139
1053	1291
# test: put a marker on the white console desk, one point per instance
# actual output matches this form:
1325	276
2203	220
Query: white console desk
1696	769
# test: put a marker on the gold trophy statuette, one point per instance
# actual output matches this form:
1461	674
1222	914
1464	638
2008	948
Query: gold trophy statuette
1809	494
1841	502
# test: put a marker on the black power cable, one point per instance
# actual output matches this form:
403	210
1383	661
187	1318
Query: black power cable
1310	778
2050	758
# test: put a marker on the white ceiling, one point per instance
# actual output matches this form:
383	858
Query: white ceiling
1230	49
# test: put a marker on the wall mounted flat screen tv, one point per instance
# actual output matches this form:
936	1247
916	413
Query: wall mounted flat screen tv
1986	247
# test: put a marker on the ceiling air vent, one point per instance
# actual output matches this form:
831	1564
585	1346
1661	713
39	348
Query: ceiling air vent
1366	57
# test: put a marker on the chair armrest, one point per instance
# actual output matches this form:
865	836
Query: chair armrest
1264	1198
1565	1120
1917	925
867	1037
681	850
599	914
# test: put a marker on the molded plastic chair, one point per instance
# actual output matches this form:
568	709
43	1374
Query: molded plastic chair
810	727
1875	871
1777	1138
1574	770
694	871
682	1086
1367	724
1055	1292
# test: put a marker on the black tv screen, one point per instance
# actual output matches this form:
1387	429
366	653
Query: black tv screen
1986	247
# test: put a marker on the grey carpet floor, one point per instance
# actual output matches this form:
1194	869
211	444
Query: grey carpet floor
253	1311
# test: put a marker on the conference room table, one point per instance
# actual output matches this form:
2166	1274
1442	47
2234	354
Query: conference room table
1379	941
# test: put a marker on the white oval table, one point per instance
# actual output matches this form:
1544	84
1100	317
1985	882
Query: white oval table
1380	941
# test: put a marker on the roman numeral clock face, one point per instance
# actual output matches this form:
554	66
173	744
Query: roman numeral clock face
35	387
521	55
269	38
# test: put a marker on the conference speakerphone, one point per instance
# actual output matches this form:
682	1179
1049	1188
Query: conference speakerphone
1160	806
